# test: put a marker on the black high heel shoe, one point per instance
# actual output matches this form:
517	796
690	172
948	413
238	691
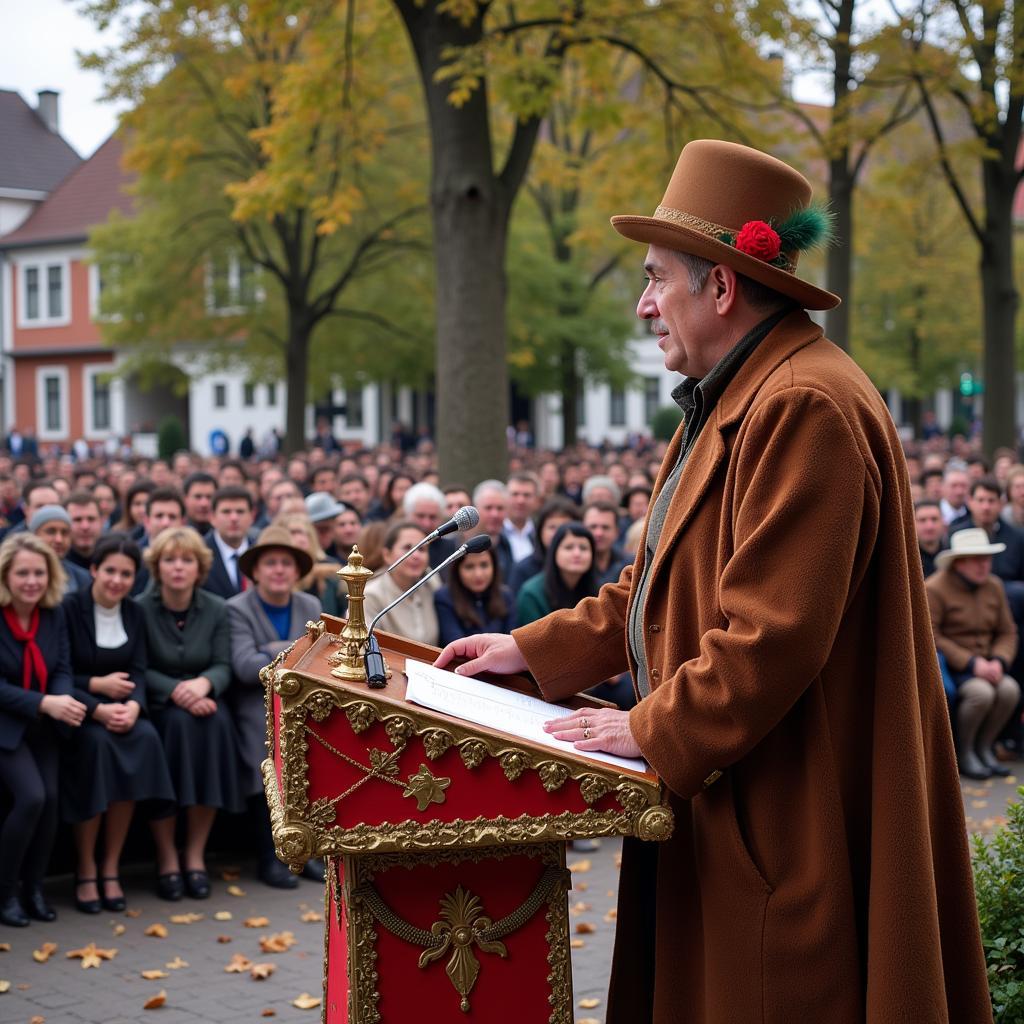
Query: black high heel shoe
86	906
35	903
115	904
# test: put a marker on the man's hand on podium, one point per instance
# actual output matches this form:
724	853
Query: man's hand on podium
596	729
488	652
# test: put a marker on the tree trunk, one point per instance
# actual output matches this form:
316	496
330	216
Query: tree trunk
840	182
470	218
570	393
296	379
999	293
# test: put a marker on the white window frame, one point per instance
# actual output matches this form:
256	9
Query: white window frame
89	373
234	278
63	431
223	391
42	265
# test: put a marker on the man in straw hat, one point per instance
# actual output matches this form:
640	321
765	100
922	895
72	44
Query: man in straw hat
776	626
976	632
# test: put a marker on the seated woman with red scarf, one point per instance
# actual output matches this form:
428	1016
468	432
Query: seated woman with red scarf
35	701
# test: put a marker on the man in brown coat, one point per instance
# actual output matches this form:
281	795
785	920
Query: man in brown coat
776	627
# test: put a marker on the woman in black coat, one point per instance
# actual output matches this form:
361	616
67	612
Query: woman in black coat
116	758
35	703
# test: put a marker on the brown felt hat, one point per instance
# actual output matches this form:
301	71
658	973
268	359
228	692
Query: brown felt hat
716	189
274	538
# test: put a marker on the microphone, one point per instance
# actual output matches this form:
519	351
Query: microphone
465	519
373	660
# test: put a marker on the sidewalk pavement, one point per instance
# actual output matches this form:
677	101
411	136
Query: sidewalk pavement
195	952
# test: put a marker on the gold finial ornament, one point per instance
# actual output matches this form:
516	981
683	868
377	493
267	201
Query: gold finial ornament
348	661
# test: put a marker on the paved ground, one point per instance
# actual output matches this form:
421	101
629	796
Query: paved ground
193	955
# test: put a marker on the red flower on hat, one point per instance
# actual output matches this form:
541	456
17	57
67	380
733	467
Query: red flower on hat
760	240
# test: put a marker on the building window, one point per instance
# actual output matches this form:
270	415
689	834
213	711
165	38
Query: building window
44	300
271	395
100	402
220	396
354	407
652	398
52	403
248	395
617	407
31	293
232	284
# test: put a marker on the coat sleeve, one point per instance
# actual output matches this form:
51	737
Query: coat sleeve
447	621
59	677
579	646
219	669
246	657
19	702
803	520
1004	645
137	669
957	656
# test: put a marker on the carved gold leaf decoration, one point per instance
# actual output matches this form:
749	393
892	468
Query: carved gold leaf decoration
426	788
631	798
514	763
436	742
361	716
593	787
320	704
552	775
321	813
399	729
461	924
473	753
384	762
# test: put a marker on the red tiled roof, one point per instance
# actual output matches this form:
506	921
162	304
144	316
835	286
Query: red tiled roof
31	156
81	201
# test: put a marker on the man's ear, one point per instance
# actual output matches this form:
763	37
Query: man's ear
724	284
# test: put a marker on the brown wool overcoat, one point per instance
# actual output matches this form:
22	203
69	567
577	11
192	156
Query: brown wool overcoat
824	878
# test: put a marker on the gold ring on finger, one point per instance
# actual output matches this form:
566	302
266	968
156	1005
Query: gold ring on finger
586	734
584	723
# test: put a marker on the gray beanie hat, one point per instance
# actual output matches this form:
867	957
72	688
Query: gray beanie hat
47	514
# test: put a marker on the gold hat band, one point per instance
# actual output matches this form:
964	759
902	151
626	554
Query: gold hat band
709	229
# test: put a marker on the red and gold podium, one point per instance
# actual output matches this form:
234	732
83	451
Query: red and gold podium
445	842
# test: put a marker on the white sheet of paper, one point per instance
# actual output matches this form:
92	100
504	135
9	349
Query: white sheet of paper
485	704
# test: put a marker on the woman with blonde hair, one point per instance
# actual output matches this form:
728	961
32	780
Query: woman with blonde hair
188	640
36	704
322	580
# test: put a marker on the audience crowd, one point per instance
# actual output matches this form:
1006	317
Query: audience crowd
141	597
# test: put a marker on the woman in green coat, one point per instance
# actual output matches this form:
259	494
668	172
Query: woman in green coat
188	640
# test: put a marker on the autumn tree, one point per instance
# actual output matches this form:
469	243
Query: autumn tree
911	251
967	60
476	55
275	144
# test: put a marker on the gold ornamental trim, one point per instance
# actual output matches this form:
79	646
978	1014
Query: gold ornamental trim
462	924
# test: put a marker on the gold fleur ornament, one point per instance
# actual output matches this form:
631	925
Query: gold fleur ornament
426	788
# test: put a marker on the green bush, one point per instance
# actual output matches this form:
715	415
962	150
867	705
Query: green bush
999	887
664	422
170	437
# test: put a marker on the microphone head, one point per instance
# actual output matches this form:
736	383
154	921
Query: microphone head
466	518
481	542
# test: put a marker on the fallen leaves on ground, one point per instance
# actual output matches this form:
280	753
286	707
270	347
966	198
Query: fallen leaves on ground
235	890
979	803
260	971
231	874
119	929
611	916
158	931
5	986
154	975
155	1002
223	939
190	918
579	908
268	1012
587	1020
133	913
580	867
5	947
37	1020
306	1001
91	955
240	963
589	1003
581	886
618	860
44	953
585	928
222	915
279	942
256	922
312	916
176	964
576	943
